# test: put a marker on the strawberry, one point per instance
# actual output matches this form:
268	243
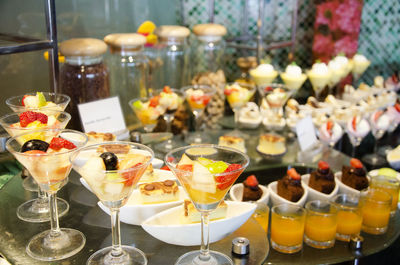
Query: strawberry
167	89
57	143
227	92
354	162
165	168
268	89
329	126
354	123
377	115
397	107
22	101
323	165
292	173
154	101
30	116
41	117
185	167
132	174
251	181
206	99
226	180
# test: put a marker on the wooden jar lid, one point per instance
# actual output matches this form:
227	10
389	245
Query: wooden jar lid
125	40
172	31
83	47
209	30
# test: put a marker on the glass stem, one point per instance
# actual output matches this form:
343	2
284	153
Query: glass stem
353	151
42	196
196	115
116	235
376	145
55	227
205	237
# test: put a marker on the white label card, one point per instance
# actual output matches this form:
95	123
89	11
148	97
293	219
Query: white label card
104	115
306	133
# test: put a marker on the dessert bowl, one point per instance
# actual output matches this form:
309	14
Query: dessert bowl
134	212
236	193
276	199
343	188
317	195
167	226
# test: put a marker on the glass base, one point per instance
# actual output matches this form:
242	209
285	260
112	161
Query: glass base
343	237
30	184
198	138
34	211
286	249
319	244
384	150
374	160
166	146
193	258
374	230
130	256
48	248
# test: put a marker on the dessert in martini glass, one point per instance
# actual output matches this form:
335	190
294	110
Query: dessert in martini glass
147	110
276	96
357	128
27	122
206	172
319	76
198	97
112	170
293	77
47	160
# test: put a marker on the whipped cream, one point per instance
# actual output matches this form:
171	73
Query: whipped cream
362	127
380	123
342	60
293	70
393	114
360	59
331	136
250	113
264	69
320	69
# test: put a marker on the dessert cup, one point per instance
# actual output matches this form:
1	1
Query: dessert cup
330	136
205	188
35	210
293	77
198	97
263	74
357	128
317	195
319	77
147	114
50	170
237	95
60	102
113	188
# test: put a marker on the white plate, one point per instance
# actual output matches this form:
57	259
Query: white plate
135	213
343	188
236	193
316	195
276	199
159	175
166	226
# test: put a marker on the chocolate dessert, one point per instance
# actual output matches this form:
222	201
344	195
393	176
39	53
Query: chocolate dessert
355	175
289	187
322	179
251	190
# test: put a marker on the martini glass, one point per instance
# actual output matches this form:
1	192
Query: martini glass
146	112
357	128
198	97
56	102
276	96
374	158
196	168
50	169
113	188
36	210
170	101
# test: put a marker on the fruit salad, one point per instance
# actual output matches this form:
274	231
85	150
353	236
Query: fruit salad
238	95
276	97
42	101
197	98
206	180
169	99
112	175
147	111
38	101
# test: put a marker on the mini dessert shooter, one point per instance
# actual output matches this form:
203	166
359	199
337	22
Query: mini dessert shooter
322	179
289	187
251	190
355	175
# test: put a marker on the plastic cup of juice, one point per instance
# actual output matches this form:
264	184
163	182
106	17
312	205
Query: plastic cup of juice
349	217
375	208
287	228
261	214
321	222
391	186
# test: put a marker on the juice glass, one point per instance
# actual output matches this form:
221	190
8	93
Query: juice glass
261	214
349	217
375	207
321	222
287	228
391	186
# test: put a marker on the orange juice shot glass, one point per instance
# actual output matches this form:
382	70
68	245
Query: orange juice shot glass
321	222
261	214
349	216
391	186
375	208
287	228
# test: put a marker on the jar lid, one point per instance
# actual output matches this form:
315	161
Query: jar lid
125	40
172	31
83	47
209	30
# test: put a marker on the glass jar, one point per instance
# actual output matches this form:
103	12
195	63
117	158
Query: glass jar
174	52
128	71
84	76
207	67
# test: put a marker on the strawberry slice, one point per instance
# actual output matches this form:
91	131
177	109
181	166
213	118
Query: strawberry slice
228	91
185	167
154	101
377	115
131	175
354	162
268	89
329	126
206	99
41	117
251	181
226	180
22	101
165	168
323	165
354	123
292	173
57	143
167	89
397	107
30	116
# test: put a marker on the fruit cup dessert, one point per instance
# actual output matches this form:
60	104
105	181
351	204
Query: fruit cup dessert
330	132
147	111
355	175
322	179
197	98
319	76
38	100
263	74
238	94
251	189
358	127
169	100
289	187
293	77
